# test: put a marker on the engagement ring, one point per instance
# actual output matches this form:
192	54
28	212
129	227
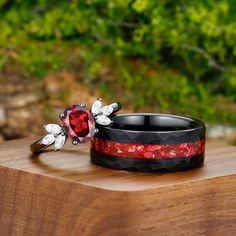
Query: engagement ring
78	123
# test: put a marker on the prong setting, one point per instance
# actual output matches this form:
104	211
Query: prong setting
82	104
61	115
74	142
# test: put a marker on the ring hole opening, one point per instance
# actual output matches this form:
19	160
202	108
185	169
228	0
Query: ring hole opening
153	122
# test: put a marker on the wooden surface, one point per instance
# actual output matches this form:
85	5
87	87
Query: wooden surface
62	193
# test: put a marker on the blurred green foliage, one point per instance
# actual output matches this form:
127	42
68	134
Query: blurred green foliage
178	56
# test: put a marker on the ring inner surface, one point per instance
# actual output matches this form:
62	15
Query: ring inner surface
153	122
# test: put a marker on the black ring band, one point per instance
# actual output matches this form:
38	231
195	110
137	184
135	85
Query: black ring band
150	142
38	146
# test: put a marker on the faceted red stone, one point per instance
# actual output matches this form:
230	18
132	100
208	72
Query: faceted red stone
78	123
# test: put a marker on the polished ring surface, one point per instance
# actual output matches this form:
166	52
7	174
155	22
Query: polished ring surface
78	123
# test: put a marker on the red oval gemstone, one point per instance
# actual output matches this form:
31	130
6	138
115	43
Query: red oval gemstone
78	123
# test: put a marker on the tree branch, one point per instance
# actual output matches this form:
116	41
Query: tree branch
121	23
211	61
103	40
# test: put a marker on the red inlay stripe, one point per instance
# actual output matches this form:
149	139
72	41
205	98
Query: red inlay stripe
148	151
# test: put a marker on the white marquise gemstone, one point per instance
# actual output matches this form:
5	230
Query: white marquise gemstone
107	110
60	141
53	128
96	107
103	120
48	139
114	105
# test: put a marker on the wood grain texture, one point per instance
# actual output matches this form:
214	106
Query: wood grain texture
62	193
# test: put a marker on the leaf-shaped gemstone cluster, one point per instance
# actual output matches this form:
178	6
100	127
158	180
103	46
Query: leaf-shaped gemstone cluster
56	135
101	113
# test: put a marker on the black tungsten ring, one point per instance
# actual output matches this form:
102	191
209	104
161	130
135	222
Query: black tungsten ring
150	142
